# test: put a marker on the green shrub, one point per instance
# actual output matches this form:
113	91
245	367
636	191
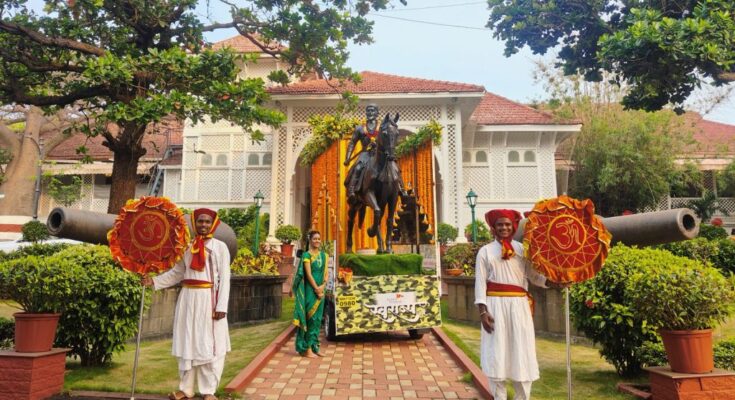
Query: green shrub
37	285
237	218
246	235
682	294
601	307
446	233
266	263
34	231
101	312
725	257
711	232
483	232
700	249
288	233
725	355
7	333
36	249
652	354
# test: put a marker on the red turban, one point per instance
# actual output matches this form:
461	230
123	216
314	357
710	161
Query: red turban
198	251
514	216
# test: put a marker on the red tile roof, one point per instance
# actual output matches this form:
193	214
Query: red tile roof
497	110
715	139
168	132
241	44
374	82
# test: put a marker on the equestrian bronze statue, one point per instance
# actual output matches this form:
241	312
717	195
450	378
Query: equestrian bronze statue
375	179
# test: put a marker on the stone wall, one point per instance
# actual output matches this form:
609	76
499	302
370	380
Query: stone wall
252	298
548	316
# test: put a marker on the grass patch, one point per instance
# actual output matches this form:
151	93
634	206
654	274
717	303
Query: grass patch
157	368
592	377
8	308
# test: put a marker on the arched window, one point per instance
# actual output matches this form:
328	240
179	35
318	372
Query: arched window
253	159
529	156
267	159
466	157
513	156
222	159
206	159
480	157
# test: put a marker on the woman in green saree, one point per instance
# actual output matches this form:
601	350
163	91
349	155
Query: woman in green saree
308	287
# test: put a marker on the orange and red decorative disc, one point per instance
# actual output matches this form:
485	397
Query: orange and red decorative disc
565	240
149	235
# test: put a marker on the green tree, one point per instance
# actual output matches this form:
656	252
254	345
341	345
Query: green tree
706	206
622	160
726	181
662	50
65	190
125	64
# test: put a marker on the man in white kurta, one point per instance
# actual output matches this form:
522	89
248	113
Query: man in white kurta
200	336
507	340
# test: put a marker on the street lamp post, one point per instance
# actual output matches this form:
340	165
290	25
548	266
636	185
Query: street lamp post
472	201
258	203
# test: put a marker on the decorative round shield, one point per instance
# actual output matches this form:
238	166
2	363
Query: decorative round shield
149	235
565	240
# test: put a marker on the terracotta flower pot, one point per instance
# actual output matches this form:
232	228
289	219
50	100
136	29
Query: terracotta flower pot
34	333
454	272
287	249
689	352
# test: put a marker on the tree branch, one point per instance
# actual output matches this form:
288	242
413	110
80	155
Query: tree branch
19	96
33	65
726	76
42	39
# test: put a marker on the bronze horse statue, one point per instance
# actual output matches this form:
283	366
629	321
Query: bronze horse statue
380	187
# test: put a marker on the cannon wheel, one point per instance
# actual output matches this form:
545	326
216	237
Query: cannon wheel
330	327
416	333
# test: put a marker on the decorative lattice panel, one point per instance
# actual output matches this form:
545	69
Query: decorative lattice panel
498	140
547	139
188	185
300	135
259	70
171	184
453	144
216	143
523	183
238	160
99	205
237	185
86	202
213	184
302	114
238	141
709	180
265	145
450	112
257	179
413	113
279	195
477	179
189	158
522	139
548	173
728	203
498	174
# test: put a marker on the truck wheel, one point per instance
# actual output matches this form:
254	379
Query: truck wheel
330	327
416	333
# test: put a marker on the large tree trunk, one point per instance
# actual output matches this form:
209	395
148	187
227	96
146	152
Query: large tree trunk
20	184
124	179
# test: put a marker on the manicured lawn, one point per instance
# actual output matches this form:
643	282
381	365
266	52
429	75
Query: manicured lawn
592	377
8	308
157	370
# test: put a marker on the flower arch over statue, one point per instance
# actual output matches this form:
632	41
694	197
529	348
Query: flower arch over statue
149	235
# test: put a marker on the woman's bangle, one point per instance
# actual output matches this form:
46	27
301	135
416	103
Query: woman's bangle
483	313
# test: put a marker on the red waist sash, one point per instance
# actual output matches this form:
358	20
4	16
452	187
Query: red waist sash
495	289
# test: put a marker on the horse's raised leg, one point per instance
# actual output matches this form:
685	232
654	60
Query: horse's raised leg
374	231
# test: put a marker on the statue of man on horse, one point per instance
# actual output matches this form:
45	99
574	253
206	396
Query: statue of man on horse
374	180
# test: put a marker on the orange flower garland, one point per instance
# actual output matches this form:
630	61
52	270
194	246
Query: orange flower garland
149	235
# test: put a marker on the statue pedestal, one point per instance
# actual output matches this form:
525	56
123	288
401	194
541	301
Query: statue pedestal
31	376
669	385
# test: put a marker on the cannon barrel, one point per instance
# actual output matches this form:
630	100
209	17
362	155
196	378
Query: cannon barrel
92	227
647	229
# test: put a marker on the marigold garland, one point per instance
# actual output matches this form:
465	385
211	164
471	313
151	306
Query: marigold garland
149	235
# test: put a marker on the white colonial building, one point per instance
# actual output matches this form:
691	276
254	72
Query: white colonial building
502	150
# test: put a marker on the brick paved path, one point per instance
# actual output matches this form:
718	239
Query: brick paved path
384	366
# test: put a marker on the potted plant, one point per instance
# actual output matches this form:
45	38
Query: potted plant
287	234
445	233
39	288
684	299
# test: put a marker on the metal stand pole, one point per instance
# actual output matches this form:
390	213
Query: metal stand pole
137	343
569	344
